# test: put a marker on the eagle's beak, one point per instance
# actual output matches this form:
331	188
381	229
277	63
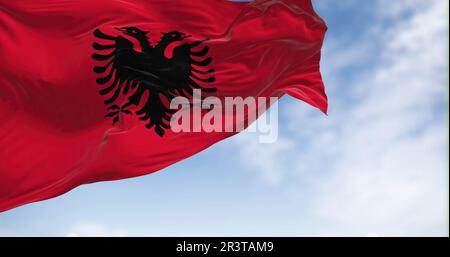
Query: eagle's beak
186	36
120	29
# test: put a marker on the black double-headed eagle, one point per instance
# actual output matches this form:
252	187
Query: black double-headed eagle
135	73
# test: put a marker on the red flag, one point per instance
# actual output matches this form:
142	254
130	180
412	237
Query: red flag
65	65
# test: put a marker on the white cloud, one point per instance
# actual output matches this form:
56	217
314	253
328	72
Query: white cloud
377	165
9	233
264	158
93	230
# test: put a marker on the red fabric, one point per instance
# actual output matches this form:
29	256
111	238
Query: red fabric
53	133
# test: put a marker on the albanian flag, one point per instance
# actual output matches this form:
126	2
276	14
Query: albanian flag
85	86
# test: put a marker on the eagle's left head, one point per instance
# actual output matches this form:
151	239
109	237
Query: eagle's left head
133	31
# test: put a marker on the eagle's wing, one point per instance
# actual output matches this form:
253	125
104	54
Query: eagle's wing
122	64
189	69
168	78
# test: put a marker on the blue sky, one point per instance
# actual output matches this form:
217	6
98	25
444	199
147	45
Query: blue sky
377	165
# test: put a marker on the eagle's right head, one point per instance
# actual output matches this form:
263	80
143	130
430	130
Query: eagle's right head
174	36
